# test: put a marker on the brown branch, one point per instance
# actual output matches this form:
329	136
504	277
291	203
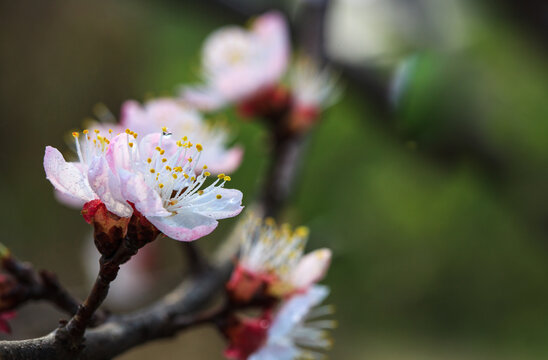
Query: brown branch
173	313
39	285
109	267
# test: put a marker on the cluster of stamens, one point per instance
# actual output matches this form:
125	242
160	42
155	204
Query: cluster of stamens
272	249
93	144
174	175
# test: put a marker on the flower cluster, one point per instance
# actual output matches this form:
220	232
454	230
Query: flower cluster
246	68
155	177
271	270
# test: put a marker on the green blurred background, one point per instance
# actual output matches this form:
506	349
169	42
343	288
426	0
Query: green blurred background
431	186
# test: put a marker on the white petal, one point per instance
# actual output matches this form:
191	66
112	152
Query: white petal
145	199
107	187
66	177
276	352
229	205
311	268
295	310
184	226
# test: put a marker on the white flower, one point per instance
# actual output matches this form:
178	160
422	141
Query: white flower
295	332
276	253
182	120
157	175
238	63
89	178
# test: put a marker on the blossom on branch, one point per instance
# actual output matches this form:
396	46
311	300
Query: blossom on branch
154	179
294	332
159	177
239	64
272	261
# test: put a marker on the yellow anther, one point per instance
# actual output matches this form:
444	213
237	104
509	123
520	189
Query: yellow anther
220	176
107	141
152	171
149	160
130	145
110	131
207	173
302	231
162	152
218	196
174	176
205	167
158	148
96	131
135	135
185	138
128	131
164	160
179	143
94	141
168	167
164	129
186	176
199	147
88	137
189	159
227	178
173	202
85	131
193	179
75	134
160	185
200	192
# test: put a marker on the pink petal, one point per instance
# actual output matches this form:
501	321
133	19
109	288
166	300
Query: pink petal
311	269
66	177
130	113
273	31
203	98
145	199
229	162
148	145
117	155
107	187
184	226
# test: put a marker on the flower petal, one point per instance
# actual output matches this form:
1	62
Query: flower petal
145	199
202	97
66	177
311	268
117	154
184	226
107	187
276	352
228	205
295	310
229	162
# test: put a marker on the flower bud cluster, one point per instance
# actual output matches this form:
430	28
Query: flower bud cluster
247	68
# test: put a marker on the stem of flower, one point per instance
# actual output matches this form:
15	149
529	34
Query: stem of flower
108	271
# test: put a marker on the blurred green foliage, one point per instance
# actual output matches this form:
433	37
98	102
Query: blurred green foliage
436	256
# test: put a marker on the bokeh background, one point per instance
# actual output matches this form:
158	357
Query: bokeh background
429	178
